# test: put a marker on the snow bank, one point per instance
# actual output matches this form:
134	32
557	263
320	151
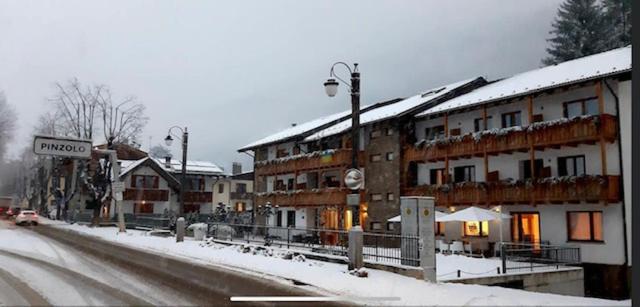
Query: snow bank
336	279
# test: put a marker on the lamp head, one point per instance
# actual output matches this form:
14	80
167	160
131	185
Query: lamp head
168	140
331	87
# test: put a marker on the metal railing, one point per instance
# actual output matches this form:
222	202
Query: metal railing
391	249
330	241
527	256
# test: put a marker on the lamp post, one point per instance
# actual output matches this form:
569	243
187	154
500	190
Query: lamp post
331	87
169	140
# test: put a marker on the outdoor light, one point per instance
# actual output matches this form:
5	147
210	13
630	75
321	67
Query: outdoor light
331	87
168	140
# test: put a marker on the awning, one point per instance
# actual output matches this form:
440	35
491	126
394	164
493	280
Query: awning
397	219
474	214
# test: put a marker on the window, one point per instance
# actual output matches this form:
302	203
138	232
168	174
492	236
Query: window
436	176
221	188
375	158
282	152
240	207
241	187
538	165
464	174
376	197
145	208
279	185
331	181
391	226
476	228
587	106
279	218
389	131
194	184
439	229
390	197
290	184
144	182
433	133
376	226
571	166
584	226
291	218
390	156
511	119
375	133
478	124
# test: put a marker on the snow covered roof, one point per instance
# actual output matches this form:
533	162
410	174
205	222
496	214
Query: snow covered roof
128	165
391	110
193	167
296	130
578	70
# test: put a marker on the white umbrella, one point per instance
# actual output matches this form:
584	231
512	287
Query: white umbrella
398	218
474	214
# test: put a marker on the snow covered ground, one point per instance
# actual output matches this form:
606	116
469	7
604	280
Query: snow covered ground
334	278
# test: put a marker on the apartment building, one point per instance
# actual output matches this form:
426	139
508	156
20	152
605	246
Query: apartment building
549	147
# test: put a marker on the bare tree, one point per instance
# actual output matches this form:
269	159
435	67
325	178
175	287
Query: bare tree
77	105
7	124
159	151
122	122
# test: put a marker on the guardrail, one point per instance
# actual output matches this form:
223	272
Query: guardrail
395	249
527	256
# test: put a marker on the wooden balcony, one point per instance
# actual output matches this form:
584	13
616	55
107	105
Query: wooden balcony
544	191
552	134
319	197
307	162
241	195
198	197
146	195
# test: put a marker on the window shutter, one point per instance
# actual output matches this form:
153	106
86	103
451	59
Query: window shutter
201	184
562	166
133	181
156	180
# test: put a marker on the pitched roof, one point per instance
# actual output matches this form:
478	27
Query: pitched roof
131	166
402	107
579	70
310	126
193	167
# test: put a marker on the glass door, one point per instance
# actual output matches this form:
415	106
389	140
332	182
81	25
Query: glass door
525	227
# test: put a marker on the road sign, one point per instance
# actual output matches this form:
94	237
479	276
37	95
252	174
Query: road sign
117	186
61	146
354	179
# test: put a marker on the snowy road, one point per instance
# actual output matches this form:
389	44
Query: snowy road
38	271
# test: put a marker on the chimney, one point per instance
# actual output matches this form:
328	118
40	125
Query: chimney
236	168
293	124
167	161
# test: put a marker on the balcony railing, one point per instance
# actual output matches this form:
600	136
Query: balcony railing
550	134
241	195
542	191
314	197
146	195
198	197
307	162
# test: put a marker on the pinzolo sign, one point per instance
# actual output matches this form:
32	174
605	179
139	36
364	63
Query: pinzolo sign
62	147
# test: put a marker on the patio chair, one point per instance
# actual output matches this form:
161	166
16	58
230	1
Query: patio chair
444	247
457	247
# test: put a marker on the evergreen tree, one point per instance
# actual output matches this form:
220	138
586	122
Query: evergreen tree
578	30
617	19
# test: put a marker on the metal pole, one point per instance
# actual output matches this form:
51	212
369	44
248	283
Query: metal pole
355	131
116	175
185	137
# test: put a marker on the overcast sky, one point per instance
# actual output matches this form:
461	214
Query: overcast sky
236	71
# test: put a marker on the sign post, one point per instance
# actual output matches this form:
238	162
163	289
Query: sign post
62	147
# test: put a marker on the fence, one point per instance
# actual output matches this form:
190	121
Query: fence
317	240
383	248
526	256
393	249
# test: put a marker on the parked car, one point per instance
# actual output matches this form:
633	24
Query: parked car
13	212
3	211
27	217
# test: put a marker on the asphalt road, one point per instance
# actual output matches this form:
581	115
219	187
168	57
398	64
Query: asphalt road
39	271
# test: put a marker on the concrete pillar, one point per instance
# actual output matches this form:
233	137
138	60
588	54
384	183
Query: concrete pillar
356	242
180	229
418	219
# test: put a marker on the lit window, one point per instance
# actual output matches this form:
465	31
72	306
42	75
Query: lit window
585	226
439	228
476	228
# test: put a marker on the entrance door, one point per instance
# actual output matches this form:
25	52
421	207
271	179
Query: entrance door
525	227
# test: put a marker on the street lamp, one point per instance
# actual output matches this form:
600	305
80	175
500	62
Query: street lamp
331	88
169	140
